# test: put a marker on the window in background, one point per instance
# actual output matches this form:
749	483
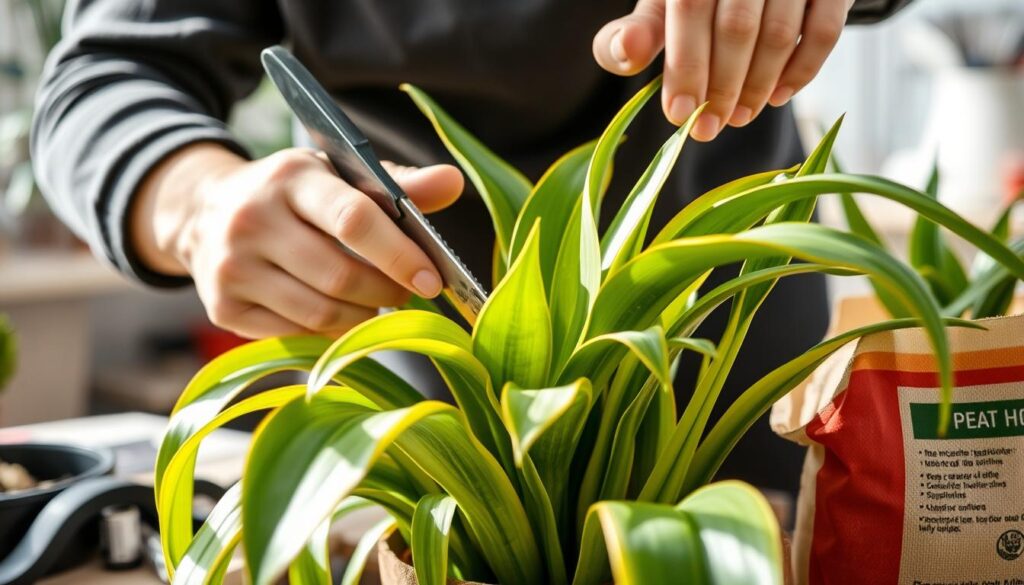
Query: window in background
943	77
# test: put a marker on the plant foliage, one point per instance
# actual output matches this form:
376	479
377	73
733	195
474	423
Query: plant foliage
984	290
566	458
8	351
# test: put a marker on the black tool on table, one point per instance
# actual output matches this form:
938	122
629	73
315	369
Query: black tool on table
65	530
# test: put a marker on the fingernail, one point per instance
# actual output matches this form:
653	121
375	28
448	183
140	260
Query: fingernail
681	108
427	284
740	116
781	95
618	48
707	127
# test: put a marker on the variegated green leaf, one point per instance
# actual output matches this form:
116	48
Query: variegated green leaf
756	400
503	189
317	453
366	546
431	525
625	236
529	413
554	198
512	337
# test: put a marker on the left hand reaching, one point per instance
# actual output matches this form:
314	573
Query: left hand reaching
738	55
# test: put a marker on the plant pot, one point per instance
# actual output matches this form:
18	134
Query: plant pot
44	462
394	558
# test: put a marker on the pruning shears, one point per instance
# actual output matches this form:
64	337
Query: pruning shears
355	162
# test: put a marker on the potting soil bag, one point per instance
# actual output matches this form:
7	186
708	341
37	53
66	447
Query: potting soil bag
886	499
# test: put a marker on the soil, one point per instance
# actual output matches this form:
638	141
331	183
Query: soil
15	478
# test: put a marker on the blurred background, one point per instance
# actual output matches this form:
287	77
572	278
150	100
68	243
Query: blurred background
944	78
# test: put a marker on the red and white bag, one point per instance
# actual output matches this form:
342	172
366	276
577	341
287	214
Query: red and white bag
883	498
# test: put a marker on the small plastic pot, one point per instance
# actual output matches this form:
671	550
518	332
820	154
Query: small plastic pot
66	464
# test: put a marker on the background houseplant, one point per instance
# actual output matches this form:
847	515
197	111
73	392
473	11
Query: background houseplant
567	458
8	352
19	73
985	289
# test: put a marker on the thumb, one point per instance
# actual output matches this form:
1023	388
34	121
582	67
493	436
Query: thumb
627	45
431	188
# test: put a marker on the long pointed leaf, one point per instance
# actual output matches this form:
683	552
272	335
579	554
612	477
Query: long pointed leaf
635	295
746	208
431	524
708	200
758	398
175	511
650	350
600	163
512	337
625	236
317	452
364	548
542	518
859	225
553	199
207	556
578	267
313	565
928	251
575	284
984	282
503	189
440	339
545	426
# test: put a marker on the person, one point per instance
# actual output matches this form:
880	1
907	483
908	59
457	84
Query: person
132	151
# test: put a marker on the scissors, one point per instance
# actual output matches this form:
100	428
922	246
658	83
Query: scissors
355	162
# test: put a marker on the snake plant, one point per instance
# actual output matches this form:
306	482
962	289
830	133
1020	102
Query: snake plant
565	457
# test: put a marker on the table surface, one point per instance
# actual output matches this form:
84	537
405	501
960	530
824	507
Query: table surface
221	459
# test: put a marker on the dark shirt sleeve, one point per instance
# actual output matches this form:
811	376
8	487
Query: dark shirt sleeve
871	11
132	81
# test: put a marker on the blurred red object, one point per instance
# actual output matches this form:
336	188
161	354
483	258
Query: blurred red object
1013	177
210	341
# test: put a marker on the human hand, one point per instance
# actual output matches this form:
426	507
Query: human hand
738	55
260	239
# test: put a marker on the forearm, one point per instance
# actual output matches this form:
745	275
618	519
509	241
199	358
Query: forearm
131	82
167	200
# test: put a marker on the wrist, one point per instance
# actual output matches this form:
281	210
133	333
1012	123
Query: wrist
168	200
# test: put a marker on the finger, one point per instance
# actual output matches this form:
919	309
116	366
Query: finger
255	322
687	56
342	212
736	27
821	29
780	28
628	45
279	292
431	188
319	262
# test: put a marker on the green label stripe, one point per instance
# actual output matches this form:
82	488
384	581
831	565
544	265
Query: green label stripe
971	420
